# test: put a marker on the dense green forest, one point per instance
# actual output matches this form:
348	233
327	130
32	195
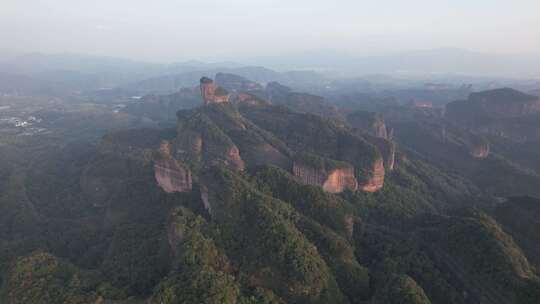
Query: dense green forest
84	220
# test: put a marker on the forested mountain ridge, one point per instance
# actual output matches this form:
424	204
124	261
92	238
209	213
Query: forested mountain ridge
246	201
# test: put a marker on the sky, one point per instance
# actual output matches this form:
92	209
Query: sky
175	30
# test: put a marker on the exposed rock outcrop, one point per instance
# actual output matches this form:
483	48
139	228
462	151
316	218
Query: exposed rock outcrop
339	180
315	134
171	175
375	181
213	93
332	179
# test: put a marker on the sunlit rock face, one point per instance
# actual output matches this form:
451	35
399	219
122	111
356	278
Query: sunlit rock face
334	181
340	180
375	181
212	93
171	175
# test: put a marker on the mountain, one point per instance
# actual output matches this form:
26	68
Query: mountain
478	154
256	74
504	112
85	72
411	63
161	107
251	199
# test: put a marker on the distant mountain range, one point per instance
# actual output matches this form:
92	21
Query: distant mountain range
410	63
73	72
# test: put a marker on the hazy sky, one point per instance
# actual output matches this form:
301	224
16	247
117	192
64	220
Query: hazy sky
167	30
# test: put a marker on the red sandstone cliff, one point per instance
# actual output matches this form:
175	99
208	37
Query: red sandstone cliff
171	175
340	180
213	93
333	181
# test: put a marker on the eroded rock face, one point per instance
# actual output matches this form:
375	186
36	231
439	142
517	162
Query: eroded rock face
376	180
171	175
340	180
212	93
335	181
